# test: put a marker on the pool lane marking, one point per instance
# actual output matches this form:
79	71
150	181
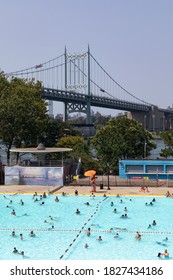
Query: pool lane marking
83	230
80	231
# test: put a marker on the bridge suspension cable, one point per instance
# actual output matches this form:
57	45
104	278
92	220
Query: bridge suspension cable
106	73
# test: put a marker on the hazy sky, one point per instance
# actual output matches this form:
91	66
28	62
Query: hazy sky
131	39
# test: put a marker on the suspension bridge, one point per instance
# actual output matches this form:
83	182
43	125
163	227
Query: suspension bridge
80	82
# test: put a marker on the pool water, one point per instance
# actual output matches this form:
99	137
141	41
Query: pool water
67	239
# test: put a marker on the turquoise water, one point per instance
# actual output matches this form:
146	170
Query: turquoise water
67	239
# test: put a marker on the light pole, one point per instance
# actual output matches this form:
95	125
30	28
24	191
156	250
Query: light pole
145	149
108	188
157	177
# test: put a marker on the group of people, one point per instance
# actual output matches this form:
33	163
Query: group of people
15	251
164	254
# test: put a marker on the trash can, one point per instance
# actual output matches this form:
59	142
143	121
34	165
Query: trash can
101	186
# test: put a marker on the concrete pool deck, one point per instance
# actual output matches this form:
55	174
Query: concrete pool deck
84	190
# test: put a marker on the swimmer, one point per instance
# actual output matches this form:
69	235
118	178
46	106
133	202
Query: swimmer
86	245
10	202
125	208
21	253
15	251
166	254
63	193
112	203
154	223
44	195
42	203
52	227
124	216
5	197
21	202
36	200
149	226
159	255
116	235
56	199
88	232
87	203
121	201
99	238
25	214
151	203
138	236
166	239
53	219
115	210
154	200
77	211
13	212
32	234
13	233
21	236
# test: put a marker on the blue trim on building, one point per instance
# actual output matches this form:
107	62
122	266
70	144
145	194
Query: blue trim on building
147	169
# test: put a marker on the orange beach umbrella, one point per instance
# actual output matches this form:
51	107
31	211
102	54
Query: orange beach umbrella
89	173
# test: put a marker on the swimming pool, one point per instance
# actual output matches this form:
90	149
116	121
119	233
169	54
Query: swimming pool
67	239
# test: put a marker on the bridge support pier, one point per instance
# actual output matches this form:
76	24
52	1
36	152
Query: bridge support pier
88	112
65	116
154	120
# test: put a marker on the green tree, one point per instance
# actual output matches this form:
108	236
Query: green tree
80	150
167	137
121	138
23	113
56	129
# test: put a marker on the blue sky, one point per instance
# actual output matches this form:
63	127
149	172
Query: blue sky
131	39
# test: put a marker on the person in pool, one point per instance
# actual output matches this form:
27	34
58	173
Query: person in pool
56	199
166	253
116	235
77	211
99	238
88	232
13	233
13	212
138	236
15	251
32	234
165	239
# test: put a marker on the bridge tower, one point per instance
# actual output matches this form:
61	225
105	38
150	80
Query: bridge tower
78	80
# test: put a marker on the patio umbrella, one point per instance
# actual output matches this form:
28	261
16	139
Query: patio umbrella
90	173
